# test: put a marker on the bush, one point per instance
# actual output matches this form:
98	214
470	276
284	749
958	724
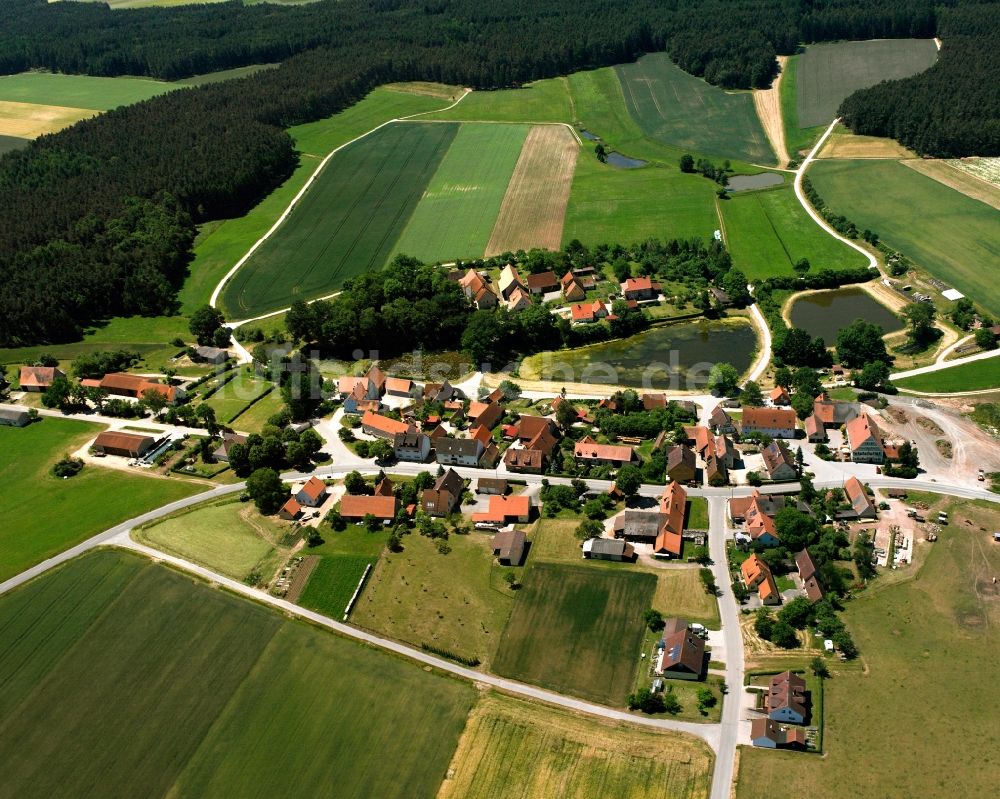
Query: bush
67	467
654	620
648	702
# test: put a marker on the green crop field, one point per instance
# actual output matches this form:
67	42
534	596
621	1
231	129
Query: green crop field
456	215
798	140
577	630
828	73
768	231
685	111
333	582
347	223
974	376
952	236
180	689
8	143
78	91
948	608
42	515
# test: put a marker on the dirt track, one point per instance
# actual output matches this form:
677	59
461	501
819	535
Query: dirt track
768	105
534	206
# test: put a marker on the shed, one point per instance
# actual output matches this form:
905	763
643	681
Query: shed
14	416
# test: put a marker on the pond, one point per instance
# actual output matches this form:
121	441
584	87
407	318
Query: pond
586	134
761	181
624	162
674	357
826	312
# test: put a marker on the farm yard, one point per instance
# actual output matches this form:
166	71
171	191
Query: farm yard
677	108
949	609
31	528
768	231
170	683
577	630
955	237
513	748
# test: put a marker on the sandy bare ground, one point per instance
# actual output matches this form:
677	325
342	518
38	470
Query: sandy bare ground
30	120
844	144
957	179
534	207
768	105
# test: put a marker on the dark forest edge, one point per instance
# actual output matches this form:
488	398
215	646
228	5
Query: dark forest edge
98	219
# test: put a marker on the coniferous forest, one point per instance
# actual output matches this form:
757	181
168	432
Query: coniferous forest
97	220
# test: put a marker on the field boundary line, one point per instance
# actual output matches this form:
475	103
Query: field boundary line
214	300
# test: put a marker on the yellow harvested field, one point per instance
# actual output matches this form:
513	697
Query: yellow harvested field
29	120
534	207
957	179
515	749
768	105
844	144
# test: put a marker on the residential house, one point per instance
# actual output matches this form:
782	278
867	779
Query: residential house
700	437
815	429
126	385
509	282
741	507
377	378
14	416
835	413
572	288
682	656
211	355
506	510
762	528
865	440
485	414
524	461
652	402
786	699
670	535
681	467
639	288
414	447
716	472
808	579
585	313
543	283
228	439
458	451
725	451
385	488
588	451
291	510
482	434
399	387
491	485
375	424
519	300
478	291
757	577
528	427
721	422
438	392
445	495
357	508
608	549
771	735
312	494
508	547
778	462
38	378
774	422
720	296
779	397
125	445
862	506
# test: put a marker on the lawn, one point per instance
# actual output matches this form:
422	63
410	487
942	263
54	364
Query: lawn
973	376
878	739
797	140
235	395
229	537
514	748
179	689
697	513
677	108
42	515
347	223
768	231
680	593
456	215
577	630
956	235
79	91
256	416
333	582
457	602
828	73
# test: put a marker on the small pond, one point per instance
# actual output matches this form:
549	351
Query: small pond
761	181
624	162
586	134
669	357
826	312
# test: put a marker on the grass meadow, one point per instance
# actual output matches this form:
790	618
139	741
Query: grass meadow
798	140
235	395
256	416
42	515
577	630
974	376
180	689
79	91
347	223
685	111
929	643
515	748
768	231
333	582
952	236
456	215
542	101
680	593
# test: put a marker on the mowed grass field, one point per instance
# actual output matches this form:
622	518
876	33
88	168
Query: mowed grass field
343	556
79	91
918	719
347	223
952	236
768	231
179	689
42	515
827	73
798	138
685	111
577	630
974	376
681	594
512	749
458	210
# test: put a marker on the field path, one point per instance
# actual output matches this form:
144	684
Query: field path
937	367
768	105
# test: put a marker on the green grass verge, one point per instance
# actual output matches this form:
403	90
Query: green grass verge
347	223
171	683
974	376
456	215
577	630
42	515
685	111
952	236
768	231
